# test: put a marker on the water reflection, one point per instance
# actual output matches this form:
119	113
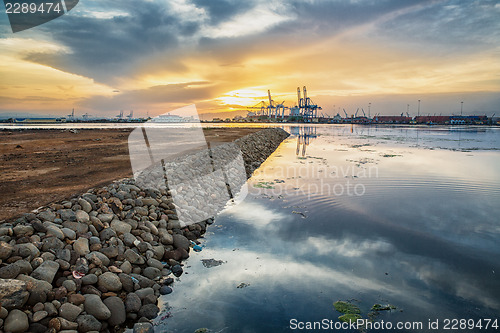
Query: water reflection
304	136
423	236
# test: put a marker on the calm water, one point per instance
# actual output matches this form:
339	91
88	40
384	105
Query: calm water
402	216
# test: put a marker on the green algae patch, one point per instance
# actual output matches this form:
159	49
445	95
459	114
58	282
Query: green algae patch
267	185
202	330
346	307
350	317
378	307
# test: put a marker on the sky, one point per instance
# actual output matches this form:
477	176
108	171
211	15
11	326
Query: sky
153	56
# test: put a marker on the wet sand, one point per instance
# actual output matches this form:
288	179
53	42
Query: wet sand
43	166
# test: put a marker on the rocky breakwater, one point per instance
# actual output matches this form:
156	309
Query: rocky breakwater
99	260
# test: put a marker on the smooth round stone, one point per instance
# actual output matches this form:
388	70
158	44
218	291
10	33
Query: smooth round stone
69	311
110	281
95	307
117	308
81	246
69	285
16	322
76	299
39	315
149	311
165	290
152	273
88	323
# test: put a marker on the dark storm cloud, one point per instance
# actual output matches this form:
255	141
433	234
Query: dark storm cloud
457	23
103	48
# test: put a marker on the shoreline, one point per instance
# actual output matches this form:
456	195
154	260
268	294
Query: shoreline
118	245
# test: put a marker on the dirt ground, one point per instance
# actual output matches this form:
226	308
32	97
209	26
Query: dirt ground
42	166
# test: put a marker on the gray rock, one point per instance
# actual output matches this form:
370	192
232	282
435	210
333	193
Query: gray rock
152	228
46	271
55	231
144	282
68	233
101	256
23	230
177	270
69	311
3	312
64	265
143	328
13	293
133	257
158	251
46	215
81	246
110	251
121	227
70	285
16	322
132	303
142	293
181	242
117	308
52	243
67	215
50	309
105	218
149	311
95	307
63	254
152	273
127	282
107	233
165	290
88	323
110	281
39	315
67	325
10	271
141	211
126	267
24	267
152	262
38	226
82	216
89	279
129	239
5	250
79	228
86	206
150	201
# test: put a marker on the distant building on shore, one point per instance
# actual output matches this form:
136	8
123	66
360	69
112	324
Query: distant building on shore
172	118
392	119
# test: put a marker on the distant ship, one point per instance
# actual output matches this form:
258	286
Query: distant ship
172	118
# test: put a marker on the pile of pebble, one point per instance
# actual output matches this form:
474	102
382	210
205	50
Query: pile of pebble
101	260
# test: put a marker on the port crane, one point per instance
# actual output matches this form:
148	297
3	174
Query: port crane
308	109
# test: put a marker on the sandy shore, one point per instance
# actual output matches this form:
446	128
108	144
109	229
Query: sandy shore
43	166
